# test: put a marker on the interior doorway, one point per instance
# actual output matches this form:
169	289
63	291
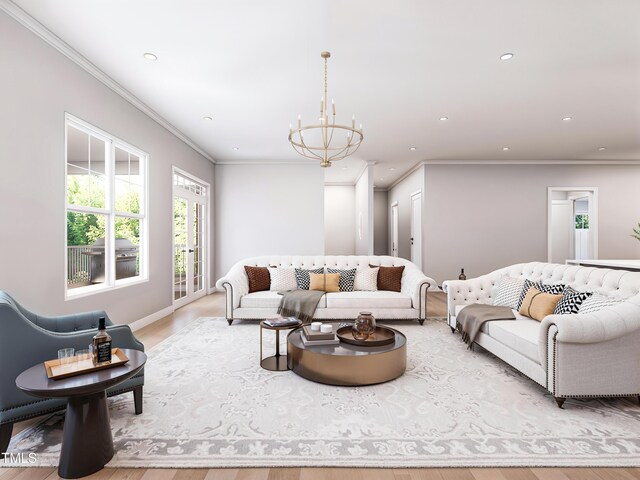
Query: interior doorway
572	223
416	228
190	238
394	229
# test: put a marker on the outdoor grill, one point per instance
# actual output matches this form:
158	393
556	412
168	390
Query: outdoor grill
126	259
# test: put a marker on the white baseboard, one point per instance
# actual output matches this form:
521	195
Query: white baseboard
148	320
214	290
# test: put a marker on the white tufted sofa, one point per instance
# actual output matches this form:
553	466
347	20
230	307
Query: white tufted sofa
578	355
409	303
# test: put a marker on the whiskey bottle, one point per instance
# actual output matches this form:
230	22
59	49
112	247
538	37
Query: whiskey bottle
462	275
101	345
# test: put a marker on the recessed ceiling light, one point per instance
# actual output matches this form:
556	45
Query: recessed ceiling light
381	179
344	168
236	148
505	148
150	56
207	118
602	148
506	56
391	169
444	119
567	119
413	149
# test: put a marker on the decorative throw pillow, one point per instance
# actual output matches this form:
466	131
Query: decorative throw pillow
259	278
366	279
571	301
389	278
538	305
509	290
553	289
325	282
597	302
347	278
302	277
282	279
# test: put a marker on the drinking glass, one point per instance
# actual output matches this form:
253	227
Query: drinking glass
83	355
65	355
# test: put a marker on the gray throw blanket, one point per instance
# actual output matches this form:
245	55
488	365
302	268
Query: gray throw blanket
301	304
471	318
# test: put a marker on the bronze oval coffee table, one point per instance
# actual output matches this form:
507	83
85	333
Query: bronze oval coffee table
87	444
347	365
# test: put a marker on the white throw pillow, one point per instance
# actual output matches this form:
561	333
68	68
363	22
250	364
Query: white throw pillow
598	302
366	279
283	279
509	291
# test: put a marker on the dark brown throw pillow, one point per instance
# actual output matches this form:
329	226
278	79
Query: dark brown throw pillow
259	278
389	278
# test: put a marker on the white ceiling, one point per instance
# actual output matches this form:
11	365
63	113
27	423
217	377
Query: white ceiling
253	65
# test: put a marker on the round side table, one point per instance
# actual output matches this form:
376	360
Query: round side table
87	444
277	362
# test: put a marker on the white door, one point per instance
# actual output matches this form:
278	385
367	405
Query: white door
563	226
394	230
190	205
416	229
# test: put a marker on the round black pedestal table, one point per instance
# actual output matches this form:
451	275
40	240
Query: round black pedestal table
87	444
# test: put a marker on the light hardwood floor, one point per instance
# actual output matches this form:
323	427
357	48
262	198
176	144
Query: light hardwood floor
213	306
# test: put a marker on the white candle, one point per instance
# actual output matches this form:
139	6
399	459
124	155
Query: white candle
326	328
315	326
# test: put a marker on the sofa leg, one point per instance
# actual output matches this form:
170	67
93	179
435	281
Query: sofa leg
137	399
229	321
421	320
559	401
6	429
453	330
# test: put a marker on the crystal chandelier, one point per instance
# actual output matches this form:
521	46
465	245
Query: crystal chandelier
326	141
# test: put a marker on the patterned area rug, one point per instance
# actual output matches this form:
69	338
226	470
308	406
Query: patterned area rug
209	404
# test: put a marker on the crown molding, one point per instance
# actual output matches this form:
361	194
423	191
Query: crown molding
26	20
534	162
301	163
339	184
402	177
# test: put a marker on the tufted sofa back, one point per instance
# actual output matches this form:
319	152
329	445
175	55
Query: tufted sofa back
617	283
332	261
614	283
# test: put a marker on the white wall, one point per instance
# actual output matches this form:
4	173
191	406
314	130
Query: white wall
339	220
364	212
267	210
381	214
401	193
483	217
39	85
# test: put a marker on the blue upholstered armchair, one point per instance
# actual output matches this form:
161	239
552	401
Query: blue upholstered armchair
27	339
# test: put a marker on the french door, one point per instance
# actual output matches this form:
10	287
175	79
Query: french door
190	253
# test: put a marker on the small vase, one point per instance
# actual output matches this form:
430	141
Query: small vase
364	326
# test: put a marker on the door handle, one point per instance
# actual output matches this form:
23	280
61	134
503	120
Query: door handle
411	240
191	250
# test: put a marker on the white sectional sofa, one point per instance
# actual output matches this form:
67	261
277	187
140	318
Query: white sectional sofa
409	303
575	355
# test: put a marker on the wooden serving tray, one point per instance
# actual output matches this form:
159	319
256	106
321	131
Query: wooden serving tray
57	370
381	336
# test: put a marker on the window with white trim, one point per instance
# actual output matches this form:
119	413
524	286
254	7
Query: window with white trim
106	210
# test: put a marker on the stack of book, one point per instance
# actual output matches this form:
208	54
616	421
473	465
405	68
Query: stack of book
282	322
309	337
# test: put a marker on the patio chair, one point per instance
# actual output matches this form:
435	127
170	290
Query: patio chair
27	339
